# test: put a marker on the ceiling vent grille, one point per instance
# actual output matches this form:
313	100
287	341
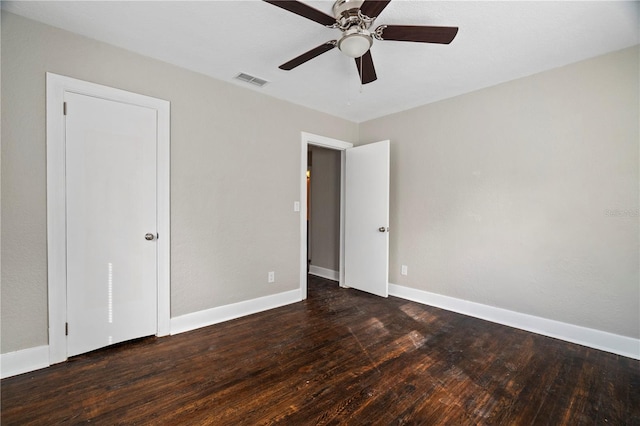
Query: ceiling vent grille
251	79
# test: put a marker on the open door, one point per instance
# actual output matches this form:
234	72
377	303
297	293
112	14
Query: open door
367	218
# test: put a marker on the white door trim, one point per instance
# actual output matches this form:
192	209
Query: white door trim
57	85
325	142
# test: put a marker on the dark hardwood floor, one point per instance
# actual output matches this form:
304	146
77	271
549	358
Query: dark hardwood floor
340	357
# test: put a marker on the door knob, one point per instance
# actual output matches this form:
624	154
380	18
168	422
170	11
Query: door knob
149	237
383	229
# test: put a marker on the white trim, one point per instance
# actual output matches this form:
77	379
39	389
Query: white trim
24	361
220	314
325	142
343	203
597	339
56	227
329	274
57	85
163	220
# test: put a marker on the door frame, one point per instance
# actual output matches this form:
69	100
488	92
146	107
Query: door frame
56	87
324	142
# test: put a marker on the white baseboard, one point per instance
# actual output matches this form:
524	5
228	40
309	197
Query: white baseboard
602	340
23	361
26	360
212	316
324	273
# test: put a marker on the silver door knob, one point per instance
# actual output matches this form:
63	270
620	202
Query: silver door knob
383	229
149	237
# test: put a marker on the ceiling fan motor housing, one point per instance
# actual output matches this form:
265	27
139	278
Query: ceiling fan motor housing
344	8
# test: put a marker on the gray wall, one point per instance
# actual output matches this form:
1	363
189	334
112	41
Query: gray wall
524	196
234	175
325	208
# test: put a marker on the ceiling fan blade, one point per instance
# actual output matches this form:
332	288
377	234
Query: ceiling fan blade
307	56
366	69
373	8
418	33
304	10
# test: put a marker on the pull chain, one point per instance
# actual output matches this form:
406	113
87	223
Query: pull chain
348	91
360	73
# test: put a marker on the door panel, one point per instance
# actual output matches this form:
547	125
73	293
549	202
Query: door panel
111	205
366	211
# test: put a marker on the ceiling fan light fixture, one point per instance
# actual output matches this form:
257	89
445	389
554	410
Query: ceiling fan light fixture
355	42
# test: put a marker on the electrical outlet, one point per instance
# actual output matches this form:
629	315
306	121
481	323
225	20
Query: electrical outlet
271	277
404	270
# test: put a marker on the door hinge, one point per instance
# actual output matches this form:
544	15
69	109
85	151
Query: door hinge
64	108
66	328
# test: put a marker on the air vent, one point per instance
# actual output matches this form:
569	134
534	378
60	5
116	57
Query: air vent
251	79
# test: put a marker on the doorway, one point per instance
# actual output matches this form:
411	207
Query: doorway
364	214
107	216
323	212
307	140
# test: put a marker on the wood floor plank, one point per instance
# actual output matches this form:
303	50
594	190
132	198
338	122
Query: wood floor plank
339	357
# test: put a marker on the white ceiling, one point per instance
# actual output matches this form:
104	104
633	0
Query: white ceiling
498	41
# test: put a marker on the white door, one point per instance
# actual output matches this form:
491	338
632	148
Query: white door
110	206
367	218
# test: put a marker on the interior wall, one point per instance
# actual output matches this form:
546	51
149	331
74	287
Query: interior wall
524	196
324	233
234	175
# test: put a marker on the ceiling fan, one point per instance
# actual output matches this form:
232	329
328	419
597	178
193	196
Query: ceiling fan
355	18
